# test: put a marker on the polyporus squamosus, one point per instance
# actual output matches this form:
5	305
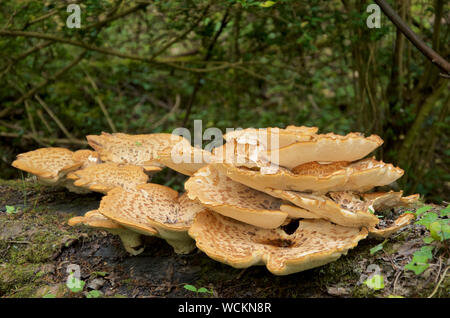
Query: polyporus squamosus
346	208
152	207
325	148
104	177
184	160
216	191
263	136
88	157
49	165
361	176
314	243
130	239
139	150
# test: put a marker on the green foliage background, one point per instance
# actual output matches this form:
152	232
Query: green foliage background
158	65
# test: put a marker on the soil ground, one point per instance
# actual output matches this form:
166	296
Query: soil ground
37	247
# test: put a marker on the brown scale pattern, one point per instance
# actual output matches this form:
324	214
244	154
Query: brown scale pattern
150	201
110	175
235	243
214	187
317	169
46	162
132	149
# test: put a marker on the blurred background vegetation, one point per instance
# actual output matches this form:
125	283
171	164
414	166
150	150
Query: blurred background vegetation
152	66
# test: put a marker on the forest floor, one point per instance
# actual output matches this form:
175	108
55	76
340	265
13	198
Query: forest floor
37	247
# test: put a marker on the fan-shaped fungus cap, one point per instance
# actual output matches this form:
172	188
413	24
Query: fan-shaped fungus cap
88	157
153	208
140	150
389	229
345	209
185	160
313	244
106	176
265	136
49	164
216	191
325	148
361	176
130	240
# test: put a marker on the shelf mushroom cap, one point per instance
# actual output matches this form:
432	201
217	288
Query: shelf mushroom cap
324	148
184	160
386	231
343	208
104	177
354	213
360	176
216	191
88	157
50	165
271	137
314	243
153	208
140	150
130	240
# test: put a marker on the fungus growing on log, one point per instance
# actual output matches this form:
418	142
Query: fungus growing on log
106	176
49	165
216	191
153	207
360	176
325	148
139	150
314	243
130	239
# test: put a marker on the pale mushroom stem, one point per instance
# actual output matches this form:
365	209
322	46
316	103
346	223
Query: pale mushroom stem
131	241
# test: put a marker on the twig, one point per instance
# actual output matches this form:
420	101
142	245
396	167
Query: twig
54	117
166	116
100	102
434	57
440	281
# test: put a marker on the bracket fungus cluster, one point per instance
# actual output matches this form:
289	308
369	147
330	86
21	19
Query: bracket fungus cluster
240	199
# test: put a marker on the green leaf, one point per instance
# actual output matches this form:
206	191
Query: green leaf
428	239
10	209
102	274
94	294
445	211
419	262
395	296
203	290
371	210
190	287
375	282
75	285
427	219
49	296
423	209
267	4
377	248
435	231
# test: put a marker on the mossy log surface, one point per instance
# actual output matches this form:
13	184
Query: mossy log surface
37	246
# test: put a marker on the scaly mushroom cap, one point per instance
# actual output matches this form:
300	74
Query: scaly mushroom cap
359	176
314	243
88	157
130	240
216	191
242	154
139	150
344	208
325	148
265	136
185	161
48	164
153	209
106	176
387	230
